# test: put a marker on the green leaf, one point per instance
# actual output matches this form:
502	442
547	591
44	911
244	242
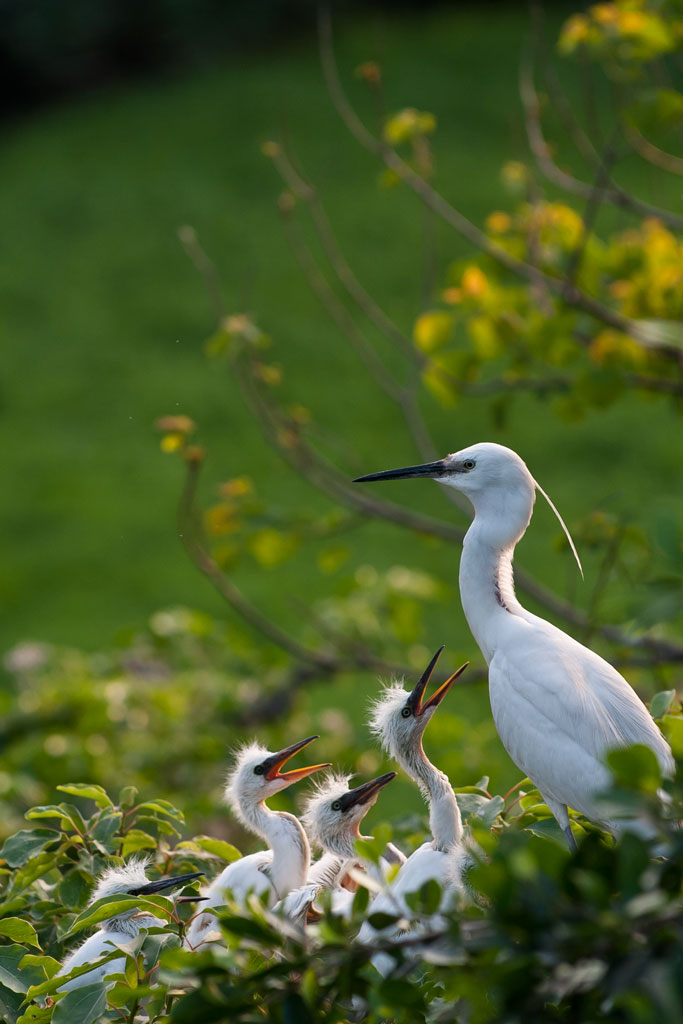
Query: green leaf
309	987
163	807
427	899
372	847
218	847
48	964
547	828
380	920
88	790
490	809
127	796
74	888
19	930
661	702
361	900
36	1015
635	767
36	868
111	906
66	812
12	976
270	547
81	1006
250	928
105	832
136	840
19	848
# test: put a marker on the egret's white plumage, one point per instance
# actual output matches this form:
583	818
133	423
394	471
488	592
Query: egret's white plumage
558	707
270	874
117	932
399	718
332	816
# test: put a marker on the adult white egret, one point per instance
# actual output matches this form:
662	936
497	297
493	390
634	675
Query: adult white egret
399	719
117	931
270	873
332	816
558	707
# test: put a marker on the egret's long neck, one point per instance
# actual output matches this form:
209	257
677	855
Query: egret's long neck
342	843
444	814
287	840
126	924
487	587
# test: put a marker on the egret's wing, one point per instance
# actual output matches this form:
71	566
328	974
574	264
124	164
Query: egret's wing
392	855
298	902
94	947
424	864
240	878
325	870
559	708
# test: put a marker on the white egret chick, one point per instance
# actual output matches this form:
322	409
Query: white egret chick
129	880
332	817
399	719
270	873
558	707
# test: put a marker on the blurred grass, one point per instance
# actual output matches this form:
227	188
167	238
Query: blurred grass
104	320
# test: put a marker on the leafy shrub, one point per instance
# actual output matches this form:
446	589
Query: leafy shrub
595	935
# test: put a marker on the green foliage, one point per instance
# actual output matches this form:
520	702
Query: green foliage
543	935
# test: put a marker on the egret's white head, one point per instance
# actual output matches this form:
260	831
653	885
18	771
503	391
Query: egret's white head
256	774
399	717
333	812
131	880
495	480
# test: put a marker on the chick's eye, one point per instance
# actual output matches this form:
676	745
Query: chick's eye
469	464
258	770
336	806
406	712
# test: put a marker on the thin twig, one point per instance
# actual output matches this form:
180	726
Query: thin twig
191	538
653	154
592	207
307	193
541	151
561	104
336	309
205	266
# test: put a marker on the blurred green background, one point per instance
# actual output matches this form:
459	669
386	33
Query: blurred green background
104	321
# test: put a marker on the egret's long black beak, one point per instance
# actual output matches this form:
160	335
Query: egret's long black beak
430	469
272	765
415	699
167	882
363	794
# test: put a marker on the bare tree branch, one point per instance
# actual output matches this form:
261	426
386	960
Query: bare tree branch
305	191
406	396
541	151
566	291
653	154
190	536
316	470
561	104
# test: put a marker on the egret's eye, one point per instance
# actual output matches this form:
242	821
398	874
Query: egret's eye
406	712
336	806
469	464
258	770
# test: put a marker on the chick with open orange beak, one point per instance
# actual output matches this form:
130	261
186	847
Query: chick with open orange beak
272	873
